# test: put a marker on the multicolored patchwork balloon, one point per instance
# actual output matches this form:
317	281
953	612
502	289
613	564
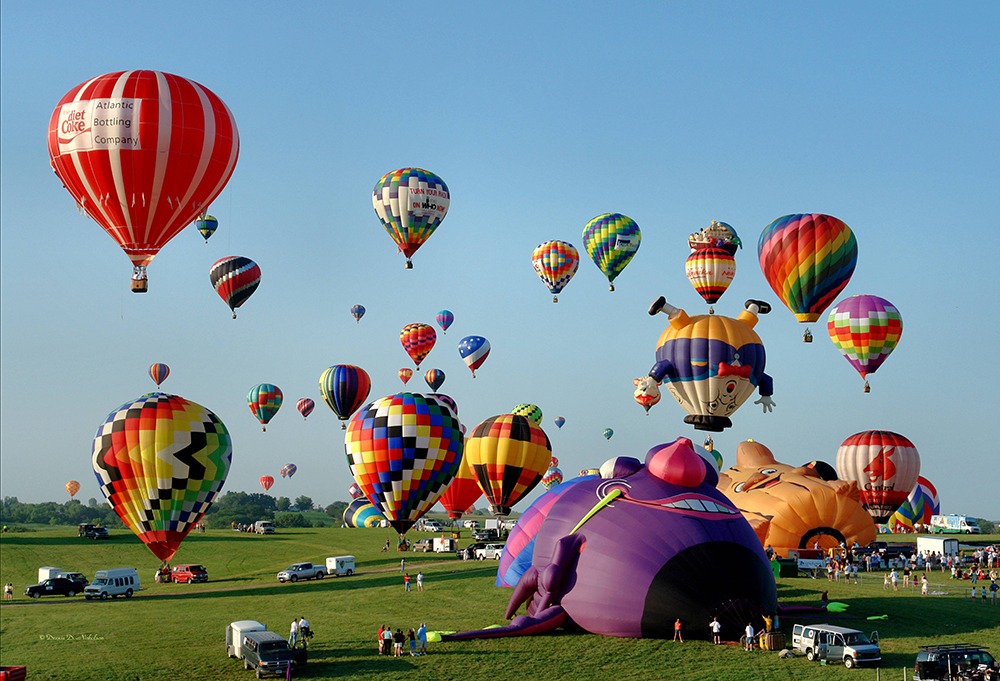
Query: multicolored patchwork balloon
710	271
462	492
808	260
884	464
866	329
508	455
921	504
611	240
553	476
357	311
160	461
410	203
344	388
158	372
206	226
266	481
529	411
555	263
418	340
72	487
305	406
474	350
361	513
445	319
403	451
234	278
264	401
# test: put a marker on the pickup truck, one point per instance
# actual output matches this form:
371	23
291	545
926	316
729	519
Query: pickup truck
297	571
268	653
886	549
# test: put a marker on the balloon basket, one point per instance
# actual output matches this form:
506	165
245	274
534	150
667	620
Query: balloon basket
408	265
868	388
343	426
555	299
140	285
611	287
807	336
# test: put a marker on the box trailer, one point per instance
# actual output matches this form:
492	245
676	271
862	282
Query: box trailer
944	546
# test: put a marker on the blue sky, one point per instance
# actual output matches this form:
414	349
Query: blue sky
539	117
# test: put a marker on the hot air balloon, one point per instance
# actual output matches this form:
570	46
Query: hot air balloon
305	406
361	513
357	311
288	470
553	462
206	226
611	240
434	378
474	350
72	487
445	319
418	340
555	263
552	477
143	153
411	203
716	235
529	411
920	505
710	271
608	433
264	401
559	421
266	481
447	400
355	492
508	455
160	461
462	492
234	278
866	329
344	388
158	372
884	464
808	260
403	450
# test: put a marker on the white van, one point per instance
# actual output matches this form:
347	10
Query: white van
340	565
836	644
114	582
954	524
235	632
263	527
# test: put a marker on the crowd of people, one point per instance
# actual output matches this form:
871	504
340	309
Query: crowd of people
391	643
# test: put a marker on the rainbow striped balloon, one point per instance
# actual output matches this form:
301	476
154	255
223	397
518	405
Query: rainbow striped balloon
866	329
710	271
920	505
808	260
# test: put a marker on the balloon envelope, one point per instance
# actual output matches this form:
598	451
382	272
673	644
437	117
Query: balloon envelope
288	470
553	476
160	461
158	372
474	350
357	311
608	433
807	259
866	329
461	493
555	263
403	451
508	455
410	203
444	319
264	401
921	504
529	411
559	421
611	240
206	226
266	481
405	374
361	513
418	340
234	278
710	271
143	153
305	406
434	378
72	487
884	464
344	388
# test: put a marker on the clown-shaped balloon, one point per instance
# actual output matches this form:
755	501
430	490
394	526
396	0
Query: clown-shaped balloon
711	364
403	451
160	461
647	392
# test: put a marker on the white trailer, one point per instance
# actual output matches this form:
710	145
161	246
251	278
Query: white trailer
340	565
48	572
234	635
944	546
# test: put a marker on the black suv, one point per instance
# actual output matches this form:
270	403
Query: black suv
56	586
955	660
268	653
92	531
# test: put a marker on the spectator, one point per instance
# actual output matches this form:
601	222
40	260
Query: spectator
420	581
412	637
293	633
422	638
677	631
387	640
716	628
406	581
397	643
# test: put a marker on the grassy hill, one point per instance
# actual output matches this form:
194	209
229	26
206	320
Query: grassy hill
171	631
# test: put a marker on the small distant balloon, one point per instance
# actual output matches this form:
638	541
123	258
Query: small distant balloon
344	388
529	411
474	350
354	491
445	319
552	477
305	406
418	340
266	481
611	240
288	470
608	433
357	311
72	487
554	462
555	263
866	329
434	379
206	226
158	372
559	421
234	278
405	374
264	401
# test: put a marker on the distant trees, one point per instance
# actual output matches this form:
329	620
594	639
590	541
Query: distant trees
336	511
240	508
284	503
291	520
71	512
303	503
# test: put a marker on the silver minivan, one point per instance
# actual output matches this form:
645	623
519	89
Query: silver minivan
836	644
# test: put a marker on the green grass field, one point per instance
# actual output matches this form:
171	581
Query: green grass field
177	631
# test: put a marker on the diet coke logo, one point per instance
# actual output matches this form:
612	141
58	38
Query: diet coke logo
72	124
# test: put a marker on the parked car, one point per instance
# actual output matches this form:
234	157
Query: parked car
297	571
490	551
432	526
189	574
268	653
92	531
114	582
966	661
489	534
263	527
424	545
77	577
838	644
56	586
471	524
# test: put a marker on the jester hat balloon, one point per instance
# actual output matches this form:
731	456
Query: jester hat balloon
403	451
807	259
206	226
160	461
344	388
555	263
305	406
143	153
234	278
410	203
611	240
884	464
357	311
866	329
462	492
508	454
264	401
444	319
159	372
474	350
418	340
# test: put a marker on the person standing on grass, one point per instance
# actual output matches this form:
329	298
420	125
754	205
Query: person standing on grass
420	581
994	587
924	584
677	631
894	578
293	633
716	628
422	638
380	645
406	581
412	637
397	643
748	633
387	640
8	591
402	565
